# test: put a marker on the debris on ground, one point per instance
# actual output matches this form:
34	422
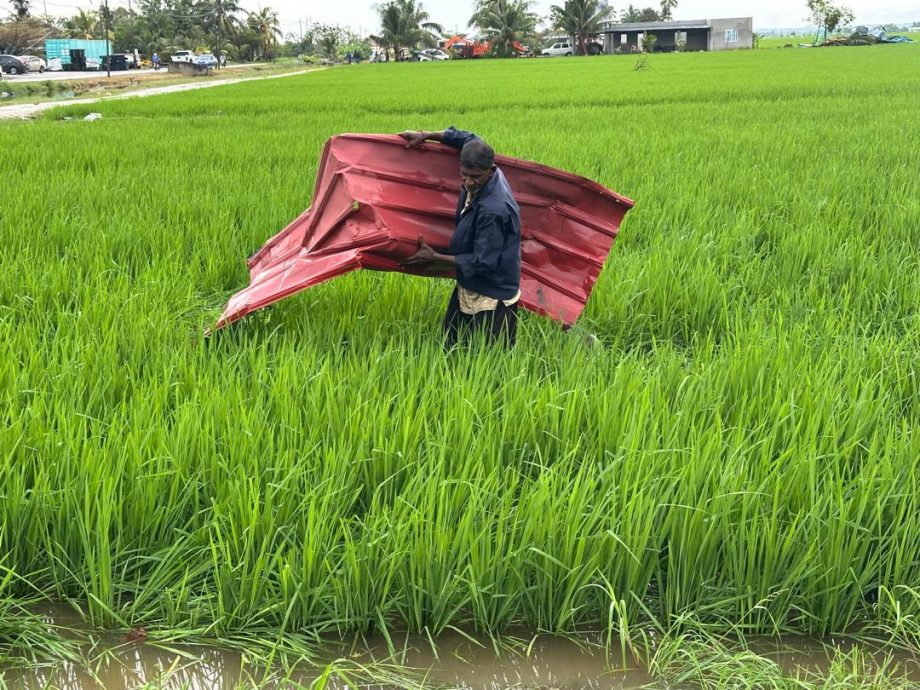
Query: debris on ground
863	36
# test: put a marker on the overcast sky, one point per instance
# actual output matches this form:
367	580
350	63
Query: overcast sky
453	14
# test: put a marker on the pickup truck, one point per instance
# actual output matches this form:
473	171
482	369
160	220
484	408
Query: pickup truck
183	56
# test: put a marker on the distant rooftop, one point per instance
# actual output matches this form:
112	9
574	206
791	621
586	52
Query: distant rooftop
639	27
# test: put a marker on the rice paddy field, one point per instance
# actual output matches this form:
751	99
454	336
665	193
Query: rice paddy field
735	452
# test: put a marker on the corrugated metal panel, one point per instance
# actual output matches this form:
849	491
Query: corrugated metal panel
374	198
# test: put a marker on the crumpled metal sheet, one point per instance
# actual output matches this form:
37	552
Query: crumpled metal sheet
374	198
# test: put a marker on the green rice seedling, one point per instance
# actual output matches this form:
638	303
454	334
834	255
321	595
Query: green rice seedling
738	448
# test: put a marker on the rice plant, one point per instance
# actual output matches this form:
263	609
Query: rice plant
741	444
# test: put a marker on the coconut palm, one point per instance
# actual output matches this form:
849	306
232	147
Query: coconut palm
391	27
419	29
504	23
581	19
223	21
82	25
667	8
268	28
405	23
20	9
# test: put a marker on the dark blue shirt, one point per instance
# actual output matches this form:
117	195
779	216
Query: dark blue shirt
486	243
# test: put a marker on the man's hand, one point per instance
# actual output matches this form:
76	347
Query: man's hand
414	139
423	257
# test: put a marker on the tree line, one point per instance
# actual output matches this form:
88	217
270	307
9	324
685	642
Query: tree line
160	26
223	26
507	24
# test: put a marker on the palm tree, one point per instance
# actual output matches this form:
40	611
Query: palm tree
667	7
20	9
224	21
405	23
581	19
504	23
266	25
82	25
391	27
418	25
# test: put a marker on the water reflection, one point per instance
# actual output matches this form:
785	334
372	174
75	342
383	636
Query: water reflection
456	663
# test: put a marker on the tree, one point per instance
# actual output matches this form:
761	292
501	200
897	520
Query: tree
391	28
23	35
827	16
667	10
504	23
405	24
267	27
106	21
419	29
634	15
224	22
581	19
82	25
20	9
329	38
156	28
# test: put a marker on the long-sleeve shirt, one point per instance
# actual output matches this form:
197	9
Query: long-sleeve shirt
486	243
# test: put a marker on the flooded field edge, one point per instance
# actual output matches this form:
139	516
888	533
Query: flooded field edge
92	660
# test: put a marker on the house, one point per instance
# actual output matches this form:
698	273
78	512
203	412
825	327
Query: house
700	34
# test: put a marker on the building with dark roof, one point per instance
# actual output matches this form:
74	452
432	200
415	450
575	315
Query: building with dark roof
700	34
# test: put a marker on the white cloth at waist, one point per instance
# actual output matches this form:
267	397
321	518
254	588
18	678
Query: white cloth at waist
473	303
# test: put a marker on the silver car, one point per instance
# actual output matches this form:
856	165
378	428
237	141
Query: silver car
34	63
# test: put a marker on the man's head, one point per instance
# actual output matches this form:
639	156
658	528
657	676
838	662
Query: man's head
477	163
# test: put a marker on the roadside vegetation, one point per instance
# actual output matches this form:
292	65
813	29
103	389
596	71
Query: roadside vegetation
725	447
127	82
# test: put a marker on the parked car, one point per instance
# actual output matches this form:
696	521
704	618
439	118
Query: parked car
34	63
55	65
564	48
183	56
12	65
93	65
436	54
206	60
427	55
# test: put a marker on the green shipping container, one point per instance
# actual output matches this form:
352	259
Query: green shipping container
61	47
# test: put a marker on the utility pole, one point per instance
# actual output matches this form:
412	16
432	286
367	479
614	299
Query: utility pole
219	22
108	46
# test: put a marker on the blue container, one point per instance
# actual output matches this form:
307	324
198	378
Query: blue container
61	47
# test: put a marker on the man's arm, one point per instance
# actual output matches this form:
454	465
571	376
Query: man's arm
453	137
429	257
415	139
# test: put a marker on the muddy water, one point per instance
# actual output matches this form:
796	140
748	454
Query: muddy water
457	663
523	662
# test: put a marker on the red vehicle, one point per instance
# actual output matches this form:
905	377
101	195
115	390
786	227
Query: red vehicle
467	48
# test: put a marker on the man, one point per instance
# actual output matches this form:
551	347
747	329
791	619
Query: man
485	249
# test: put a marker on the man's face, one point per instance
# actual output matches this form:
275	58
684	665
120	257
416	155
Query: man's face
474	179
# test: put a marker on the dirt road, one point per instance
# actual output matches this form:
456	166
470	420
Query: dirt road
27	110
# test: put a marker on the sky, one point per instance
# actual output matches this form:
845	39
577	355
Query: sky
453	14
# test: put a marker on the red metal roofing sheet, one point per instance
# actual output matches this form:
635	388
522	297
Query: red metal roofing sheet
374	198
